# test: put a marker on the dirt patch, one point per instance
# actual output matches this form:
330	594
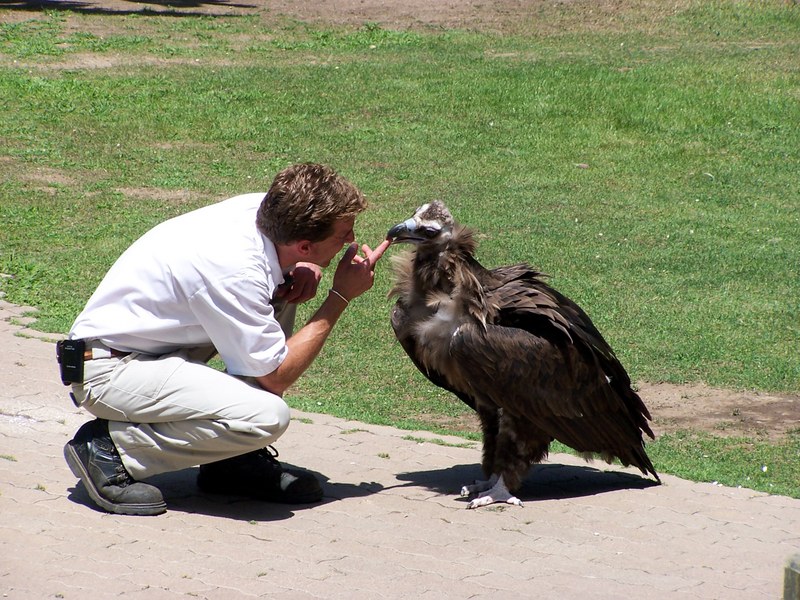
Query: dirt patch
43	179
391	13
86	61
166	196
721	412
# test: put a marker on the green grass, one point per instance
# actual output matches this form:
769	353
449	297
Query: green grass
438	442
736	462
650	164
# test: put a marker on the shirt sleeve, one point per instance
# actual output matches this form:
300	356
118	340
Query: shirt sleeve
240	321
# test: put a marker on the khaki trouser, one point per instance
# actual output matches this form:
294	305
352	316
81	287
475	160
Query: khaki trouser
171	412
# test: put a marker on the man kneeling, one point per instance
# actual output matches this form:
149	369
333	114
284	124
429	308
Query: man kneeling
224	279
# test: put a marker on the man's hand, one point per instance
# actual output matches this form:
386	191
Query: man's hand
355	274
353	277
301	284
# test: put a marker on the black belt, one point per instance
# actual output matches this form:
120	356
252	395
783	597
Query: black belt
87	354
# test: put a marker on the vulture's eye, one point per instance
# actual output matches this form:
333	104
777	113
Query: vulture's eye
429	230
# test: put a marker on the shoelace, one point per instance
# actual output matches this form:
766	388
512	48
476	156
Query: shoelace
121	477
271	453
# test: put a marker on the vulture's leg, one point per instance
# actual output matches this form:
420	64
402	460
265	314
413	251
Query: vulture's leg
517	445
489	416
498	493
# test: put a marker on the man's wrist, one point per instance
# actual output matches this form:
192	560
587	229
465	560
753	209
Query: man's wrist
339	295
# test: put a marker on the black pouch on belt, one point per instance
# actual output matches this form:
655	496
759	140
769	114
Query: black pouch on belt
70	358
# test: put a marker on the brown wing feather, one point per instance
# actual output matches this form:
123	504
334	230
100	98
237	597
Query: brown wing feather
526	302
552	385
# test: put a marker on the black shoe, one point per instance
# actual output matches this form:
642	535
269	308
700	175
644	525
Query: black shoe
259	475
92	456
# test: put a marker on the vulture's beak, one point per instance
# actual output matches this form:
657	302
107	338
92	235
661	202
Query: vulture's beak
403	232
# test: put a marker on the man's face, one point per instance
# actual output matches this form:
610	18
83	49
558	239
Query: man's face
324	250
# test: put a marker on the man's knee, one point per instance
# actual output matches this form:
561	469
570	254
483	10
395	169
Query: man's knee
268	419
284	415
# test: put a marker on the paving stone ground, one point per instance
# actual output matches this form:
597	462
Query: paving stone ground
391	524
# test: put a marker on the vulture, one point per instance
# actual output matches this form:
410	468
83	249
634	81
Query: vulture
525	357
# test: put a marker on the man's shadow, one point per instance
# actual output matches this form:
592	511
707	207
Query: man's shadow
543	482
182	495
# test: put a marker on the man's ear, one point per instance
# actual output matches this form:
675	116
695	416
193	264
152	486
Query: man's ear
304	248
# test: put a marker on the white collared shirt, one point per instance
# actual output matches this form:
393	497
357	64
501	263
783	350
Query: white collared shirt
205	277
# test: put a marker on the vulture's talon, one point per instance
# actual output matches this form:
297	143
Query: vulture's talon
488	499
478	502
478	486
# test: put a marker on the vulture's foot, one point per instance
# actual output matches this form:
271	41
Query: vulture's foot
478	486
491	491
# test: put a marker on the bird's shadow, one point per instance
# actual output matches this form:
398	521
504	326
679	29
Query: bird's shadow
543	482
181	494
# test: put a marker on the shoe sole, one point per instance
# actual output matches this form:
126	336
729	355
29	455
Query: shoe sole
79	470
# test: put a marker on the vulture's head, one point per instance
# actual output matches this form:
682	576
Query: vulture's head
430	225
